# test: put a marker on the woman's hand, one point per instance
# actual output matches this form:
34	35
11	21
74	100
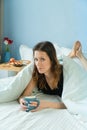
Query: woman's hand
22	103
26	107
42	105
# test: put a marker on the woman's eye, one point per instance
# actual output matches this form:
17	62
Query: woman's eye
35	59
42	59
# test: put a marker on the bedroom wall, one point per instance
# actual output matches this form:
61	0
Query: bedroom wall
30	21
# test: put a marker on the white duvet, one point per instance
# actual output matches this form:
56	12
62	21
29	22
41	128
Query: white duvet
13	118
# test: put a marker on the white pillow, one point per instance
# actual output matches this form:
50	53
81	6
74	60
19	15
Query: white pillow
61	51
12	90
75	80
65	51
26	53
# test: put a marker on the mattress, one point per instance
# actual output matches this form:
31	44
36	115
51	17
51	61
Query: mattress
13	118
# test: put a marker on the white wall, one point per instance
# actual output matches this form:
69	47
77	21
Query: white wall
60	21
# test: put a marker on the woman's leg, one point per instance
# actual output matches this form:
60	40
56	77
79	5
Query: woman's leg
81	57
77	52
75	48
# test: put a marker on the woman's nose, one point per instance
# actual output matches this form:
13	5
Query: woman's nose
38	63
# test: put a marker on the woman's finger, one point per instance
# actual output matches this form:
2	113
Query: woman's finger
33	103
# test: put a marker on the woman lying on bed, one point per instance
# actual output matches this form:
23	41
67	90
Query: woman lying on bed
48	74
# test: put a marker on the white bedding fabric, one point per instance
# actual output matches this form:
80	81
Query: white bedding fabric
74	93
13	118
12	88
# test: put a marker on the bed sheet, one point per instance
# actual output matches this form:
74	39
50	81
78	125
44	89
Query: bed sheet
13	118
5	81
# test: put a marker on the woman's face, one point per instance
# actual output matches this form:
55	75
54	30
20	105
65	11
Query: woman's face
42	62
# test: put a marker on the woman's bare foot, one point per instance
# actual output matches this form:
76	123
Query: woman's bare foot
79	53
75	48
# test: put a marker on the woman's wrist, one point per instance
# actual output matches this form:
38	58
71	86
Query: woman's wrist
56	105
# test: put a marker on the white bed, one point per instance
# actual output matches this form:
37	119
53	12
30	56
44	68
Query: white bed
13	118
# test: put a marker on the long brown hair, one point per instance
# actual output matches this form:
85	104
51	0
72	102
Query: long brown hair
56	68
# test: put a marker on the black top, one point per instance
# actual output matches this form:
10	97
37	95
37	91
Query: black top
56	91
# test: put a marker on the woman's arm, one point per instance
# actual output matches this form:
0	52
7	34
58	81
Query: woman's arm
28	90
47	104
43	103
